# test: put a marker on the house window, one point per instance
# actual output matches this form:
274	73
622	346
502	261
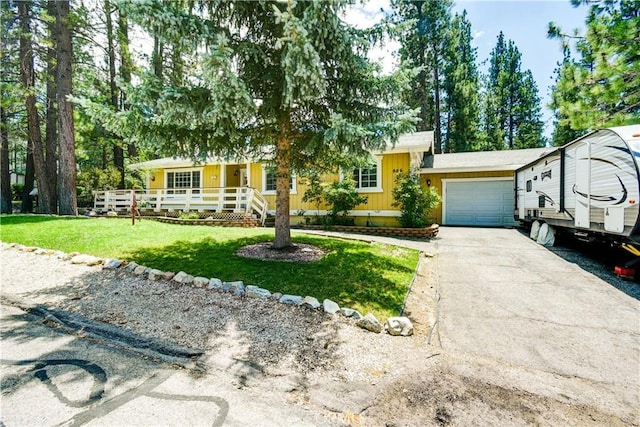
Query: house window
269	182
180	180
366	177
529	186
369	179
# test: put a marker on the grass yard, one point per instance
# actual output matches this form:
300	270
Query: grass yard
368	277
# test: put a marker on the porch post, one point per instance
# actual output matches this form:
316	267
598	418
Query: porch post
248	174
158	200
187	200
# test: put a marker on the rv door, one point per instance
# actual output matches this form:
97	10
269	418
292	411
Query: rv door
582	187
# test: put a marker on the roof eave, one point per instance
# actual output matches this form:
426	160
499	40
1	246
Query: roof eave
499	168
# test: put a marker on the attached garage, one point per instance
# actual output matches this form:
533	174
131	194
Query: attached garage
479	202
476	187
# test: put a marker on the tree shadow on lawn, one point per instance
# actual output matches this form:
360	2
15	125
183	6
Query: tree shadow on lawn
353	274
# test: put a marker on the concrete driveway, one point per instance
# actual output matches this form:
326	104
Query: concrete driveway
516	314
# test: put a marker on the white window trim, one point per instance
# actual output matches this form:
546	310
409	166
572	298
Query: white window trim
294	183
166	181
378	188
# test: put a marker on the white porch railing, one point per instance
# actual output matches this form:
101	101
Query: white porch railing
248	201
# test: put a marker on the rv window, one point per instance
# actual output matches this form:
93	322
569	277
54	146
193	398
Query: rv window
529	186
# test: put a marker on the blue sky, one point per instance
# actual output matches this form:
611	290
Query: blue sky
523	21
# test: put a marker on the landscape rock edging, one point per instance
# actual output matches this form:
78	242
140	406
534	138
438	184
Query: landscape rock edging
395	326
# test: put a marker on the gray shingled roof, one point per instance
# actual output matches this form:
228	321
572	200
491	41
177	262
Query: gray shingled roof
483	160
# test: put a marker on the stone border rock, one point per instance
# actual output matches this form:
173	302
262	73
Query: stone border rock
396	326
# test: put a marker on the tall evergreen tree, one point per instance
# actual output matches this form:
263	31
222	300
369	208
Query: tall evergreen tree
290	77
462	89
46	188
67	171
563	91
424	44
601	87
512	113
51	120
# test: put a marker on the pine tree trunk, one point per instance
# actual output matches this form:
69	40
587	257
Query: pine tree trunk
126	65
436	90
5	174
51	123
67	196
283	178
29	178
33	120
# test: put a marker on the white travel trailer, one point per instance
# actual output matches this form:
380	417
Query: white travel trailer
590	186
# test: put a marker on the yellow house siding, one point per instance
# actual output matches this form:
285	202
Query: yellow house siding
392	165
436	182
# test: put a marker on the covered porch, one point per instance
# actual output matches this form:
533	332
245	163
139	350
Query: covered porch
239	200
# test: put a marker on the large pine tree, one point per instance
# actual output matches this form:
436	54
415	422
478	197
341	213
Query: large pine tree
601	85
291	77
426	25
512	113
462	89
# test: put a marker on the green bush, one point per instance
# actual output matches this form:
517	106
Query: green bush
94	179
16	191
414	201
342	196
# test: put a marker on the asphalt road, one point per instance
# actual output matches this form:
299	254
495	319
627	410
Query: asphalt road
51	378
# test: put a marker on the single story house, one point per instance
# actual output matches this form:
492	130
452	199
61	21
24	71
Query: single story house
477	188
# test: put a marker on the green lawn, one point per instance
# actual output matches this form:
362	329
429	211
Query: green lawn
367	277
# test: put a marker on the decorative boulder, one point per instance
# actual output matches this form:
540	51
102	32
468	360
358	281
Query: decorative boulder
168	275
370	323
399	326
112	264
112	214
183	278
291	299
256	292
86	259
330	306
155	274
236	288
349	312
130	267
310	302
214	283
276	296
140	270
200	282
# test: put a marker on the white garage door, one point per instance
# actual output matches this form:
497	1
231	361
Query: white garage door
483	203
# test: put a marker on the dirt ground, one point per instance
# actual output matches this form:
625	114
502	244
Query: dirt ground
340	373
